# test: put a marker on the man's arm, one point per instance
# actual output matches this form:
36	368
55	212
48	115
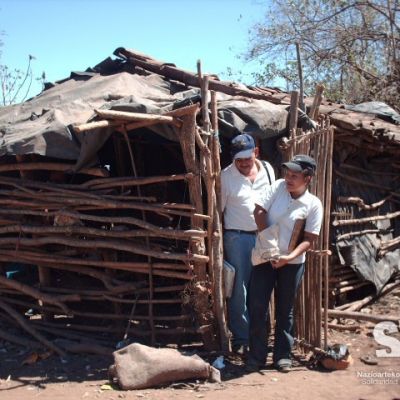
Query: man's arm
224	192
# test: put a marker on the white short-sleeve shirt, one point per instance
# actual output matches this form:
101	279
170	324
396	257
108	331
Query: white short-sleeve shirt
238	193
283	209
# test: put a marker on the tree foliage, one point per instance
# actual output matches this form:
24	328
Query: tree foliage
15	83
352	47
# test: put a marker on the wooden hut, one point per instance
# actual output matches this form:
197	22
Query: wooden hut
110	226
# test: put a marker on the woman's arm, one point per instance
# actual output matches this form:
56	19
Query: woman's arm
260	216
306	244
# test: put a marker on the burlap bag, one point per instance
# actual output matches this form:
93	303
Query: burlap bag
138	367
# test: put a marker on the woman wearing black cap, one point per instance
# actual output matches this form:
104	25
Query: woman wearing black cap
282	205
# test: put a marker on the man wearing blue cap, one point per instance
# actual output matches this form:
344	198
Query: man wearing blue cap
242	181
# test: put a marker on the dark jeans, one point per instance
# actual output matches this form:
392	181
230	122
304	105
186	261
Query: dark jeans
263	280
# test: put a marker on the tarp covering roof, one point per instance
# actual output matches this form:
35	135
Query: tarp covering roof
44	124
135	82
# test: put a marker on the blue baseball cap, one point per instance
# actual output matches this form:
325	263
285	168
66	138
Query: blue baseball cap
242	146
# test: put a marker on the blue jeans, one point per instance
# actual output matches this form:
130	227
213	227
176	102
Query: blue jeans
237	251
286	281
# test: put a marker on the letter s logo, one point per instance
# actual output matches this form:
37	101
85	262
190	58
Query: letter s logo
382	338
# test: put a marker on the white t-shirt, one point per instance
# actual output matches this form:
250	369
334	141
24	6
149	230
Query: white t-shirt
283	209
238	193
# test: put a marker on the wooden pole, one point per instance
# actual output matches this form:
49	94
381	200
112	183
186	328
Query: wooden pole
133	116
359	221
330	137
91	126
362	316
360	202
316	101
367	183
359	304
105	244
187	139
42	166
301	83
192	79
216	244
294	103
46	298
216	150
27	327
199	73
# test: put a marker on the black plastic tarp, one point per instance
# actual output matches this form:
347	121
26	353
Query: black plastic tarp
43	125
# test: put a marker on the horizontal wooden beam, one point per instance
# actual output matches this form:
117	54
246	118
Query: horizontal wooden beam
133	116
42	166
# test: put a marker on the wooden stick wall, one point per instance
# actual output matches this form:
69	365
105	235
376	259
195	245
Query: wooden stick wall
96	263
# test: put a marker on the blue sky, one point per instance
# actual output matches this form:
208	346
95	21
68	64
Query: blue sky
71	35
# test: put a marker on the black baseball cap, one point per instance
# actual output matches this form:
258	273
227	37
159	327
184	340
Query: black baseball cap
301	163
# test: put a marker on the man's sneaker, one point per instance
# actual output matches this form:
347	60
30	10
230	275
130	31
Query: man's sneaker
253	366
284	365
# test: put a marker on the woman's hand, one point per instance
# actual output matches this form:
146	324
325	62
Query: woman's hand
281	261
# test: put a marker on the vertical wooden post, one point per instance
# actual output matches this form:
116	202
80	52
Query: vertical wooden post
316	102
301	83
187	138
216	244
294	113
206	161
320	193
327	214
216	150
199	73
204	103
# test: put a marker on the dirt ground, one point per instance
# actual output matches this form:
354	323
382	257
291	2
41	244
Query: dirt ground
85	377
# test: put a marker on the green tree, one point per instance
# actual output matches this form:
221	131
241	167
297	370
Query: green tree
352	47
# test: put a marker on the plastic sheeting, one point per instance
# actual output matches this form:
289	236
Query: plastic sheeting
377	108
361	252
43	125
